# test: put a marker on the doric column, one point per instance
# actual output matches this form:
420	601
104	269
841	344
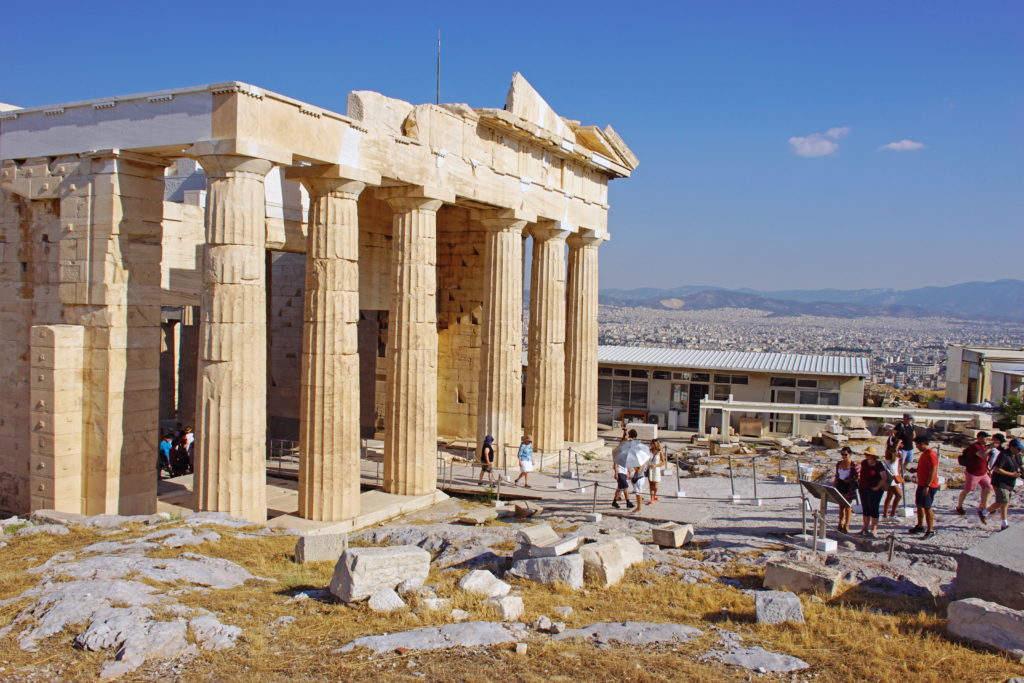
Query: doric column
410	418
329	400
581	340
545	372
499	412
231	392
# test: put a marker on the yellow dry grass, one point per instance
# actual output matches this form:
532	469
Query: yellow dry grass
856	637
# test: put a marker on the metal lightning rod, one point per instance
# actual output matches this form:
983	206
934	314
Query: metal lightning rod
437	92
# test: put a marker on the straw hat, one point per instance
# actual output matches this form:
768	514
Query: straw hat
870	450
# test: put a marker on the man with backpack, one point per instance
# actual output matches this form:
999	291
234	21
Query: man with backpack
974	459
904	437
1006	471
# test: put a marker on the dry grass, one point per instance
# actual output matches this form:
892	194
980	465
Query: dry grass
855	637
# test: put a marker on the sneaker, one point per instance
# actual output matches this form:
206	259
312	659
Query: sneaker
1004	526
981	516
615	504
630	505
655	498
927	535
650	502
916	530
960	511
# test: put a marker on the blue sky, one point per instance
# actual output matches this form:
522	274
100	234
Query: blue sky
716	99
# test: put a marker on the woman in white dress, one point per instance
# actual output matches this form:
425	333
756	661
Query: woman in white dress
656	468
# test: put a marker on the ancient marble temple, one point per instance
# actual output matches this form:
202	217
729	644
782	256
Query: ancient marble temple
139	228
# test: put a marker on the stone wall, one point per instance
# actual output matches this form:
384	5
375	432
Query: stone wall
286	275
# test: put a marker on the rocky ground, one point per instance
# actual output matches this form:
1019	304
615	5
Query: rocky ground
208	596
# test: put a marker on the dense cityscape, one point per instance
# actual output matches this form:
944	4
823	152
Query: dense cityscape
906	353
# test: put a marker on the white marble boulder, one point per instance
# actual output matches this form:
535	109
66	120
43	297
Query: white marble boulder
361	572
605	563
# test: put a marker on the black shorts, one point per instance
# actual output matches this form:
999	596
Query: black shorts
622	480
925	497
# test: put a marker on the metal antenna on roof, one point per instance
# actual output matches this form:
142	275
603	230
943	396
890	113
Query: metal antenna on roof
437	91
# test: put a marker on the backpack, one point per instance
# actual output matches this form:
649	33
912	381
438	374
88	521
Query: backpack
965	456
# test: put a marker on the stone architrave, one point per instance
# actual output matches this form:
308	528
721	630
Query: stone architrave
410	418
581	340
231	393
545	373
329	397
361	572
501	340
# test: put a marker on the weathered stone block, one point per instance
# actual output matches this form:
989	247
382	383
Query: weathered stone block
508	607
361	572
560	546
483	583
605	563
385	600
320	547
672	535
478	516
777	607
993	570
801	577
987	623
567	569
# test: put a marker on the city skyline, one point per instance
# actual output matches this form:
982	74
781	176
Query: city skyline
782	146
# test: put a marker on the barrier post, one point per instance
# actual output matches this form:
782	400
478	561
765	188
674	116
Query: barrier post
497	494
680	493
558	481
593	507
732	481
753	465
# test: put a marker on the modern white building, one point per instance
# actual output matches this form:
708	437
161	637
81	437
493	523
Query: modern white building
975	374
667	385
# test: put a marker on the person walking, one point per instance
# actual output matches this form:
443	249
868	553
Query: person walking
656	469
904	432
893	465
845	481
640	485
927	487
163	458
1006	472
487	461
996	445
974	459
871	484
621	474
525	456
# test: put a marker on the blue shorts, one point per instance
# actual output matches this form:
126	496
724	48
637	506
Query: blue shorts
908	455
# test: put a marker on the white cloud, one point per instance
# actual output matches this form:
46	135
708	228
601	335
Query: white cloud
837	132
904	146
813	145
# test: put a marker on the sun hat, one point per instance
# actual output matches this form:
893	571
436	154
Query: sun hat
871	450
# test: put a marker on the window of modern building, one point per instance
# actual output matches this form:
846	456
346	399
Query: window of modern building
662	374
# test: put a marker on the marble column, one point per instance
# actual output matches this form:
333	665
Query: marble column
410	417
499	412
545	372
329	404
231	392
581	340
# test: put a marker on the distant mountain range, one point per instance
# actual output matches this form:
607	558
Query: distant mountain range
1002	299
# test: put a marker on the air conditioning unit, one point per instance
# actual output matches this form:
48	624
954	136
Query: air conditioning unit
659	419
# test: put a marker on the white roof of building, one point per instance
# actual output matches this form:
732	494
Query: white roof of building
740	361
1008	368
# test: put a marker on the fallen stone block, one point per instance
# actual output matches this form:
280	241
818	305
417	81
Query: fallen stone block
483	583
469	634
801	577
385	600
508	607
566	569
51	529
320	547
410	585
563	611
672	535
361	572
605	563
632	633
993	570
460	615
560	546
478	516
56	517
436	603
536	534
761	660
778	607
988	624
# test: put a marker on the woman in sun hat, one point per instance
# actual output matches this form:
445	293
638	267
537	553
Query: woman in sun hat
871	484
525	456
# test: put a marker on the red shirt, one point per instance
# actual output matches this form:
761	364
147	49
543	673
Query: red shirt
870	474
977	459
928	469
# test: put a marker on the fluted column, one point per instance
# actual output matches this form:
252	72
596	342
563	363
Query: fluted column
581	340
231	396
545	372
329	399
410	417
499	412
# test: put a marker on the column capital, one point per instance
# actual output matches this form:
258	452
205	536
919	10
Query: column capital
410	197
323	179
502	219
586	238
224	165
550	230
